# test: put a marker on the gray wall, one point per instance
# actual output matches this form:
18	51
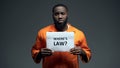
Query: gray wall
21	19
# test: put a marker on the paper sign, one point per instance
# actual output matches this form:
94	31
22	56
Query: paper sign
60	41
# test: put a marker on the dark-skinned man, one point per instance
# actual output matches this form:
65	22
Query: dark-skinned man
56	59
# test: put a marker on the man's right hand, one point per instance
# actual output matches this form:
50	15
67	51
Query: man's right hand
46	52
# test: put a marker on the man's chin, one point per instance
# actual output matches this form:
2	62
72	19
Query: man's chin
60	26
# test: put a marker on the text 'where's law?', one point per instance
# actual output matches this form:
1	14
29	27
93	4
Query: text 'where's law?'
60	41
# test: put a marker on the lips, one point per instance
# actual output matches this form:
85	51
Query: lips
60	21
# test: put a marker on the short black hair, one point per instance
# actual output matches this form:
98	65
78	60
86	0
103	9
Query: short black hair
59	5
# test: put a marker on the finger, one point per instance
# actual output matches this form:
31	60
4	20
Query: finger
76	52
73	52
72	49
46	49
46	54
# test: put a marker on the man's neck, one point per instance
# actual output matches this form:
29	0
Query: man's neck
66	27
63	29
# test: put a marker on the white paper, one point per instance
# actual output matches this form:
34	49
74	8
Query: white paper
60	41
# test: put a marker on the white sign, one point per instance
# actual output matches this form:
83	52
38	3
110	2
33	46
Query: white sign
60	41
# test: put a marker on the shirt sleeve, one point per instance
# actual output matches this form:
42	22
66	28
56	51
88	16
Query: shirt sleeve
36	49
85	48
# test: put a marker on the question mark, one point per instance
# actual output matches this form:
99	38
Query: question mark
65	42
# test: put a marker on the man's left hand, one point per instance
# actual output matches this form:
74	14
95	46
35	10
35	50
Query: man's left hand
76	51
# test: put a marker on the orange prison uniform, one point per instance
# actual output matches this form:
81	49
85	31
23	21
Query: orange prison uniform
60	59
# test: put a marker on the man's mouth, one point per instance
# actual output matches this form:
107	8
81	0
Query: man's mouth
60	21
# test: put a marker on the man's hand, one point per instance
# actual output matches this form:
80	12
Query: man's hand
76	51
46	52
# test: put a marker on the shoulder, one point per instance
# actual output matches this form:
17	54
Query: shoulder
76	30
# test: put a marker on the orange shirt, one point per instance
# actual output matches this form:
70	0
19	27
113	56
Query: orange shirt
60	59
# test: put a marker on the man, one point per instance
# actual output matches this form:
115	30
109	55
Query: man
60	59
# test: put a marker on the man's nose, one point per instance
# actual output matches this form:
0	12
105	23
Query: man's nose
59	16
